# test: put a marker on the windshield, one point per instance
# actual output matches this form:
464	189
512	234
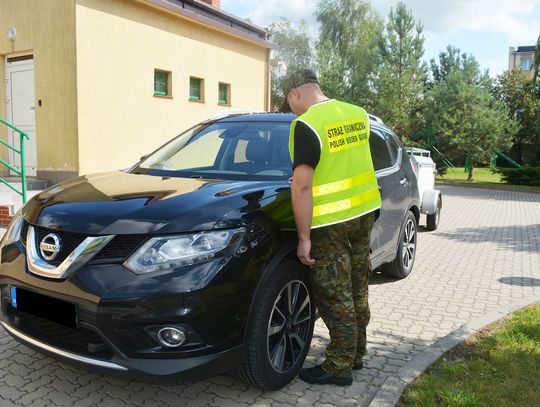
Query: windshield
233	150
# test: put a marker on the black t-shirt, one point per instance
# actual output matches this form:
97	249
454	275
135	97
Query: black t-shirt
307	148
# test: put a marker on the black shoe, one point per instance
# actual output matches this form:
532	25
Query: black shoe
316	375
358	365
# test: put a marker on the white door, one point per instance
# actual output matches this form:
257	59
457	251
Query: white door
21	110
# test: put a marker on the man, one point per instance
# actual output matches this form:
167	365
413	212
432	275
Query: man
334	197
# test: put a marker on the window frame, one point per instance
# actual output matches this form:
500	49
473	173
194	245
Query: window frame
528	66
377	132
193	98
168	93
227	101
390	139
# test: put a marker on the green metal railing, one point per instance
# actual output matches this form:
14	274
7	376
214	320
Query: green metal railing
493	161
505	157
22	171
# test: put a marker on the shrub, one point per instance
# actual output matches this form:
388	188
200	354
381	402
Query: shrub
441	170
527	175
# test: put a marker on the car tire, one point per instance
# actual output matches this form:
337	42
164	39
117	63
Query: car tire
433	219
280	332
402	265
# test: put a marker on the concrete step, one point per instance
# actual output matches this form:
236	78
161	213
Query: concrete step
13	201
32	183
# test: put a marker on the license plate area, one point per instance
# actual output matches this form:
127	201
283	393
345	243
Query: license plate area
42	306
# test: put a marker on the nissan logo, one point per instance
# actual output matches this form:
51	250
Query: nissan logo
49	246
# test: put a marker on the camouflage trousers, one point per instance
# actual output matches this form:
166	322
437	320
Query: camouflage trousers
340	279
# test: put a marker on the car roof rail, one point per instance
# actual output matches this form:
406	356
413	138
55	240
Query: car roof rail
375	118
230	112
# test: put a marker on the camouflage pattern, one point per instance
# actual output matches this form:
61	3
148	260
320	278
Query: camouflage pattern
340	278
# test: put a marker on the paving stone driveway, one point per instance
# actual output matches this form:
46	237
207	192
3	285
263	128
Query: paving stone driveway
485	255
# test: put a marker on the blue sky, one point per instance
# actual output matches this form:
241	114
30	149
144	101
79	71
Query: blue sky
484	28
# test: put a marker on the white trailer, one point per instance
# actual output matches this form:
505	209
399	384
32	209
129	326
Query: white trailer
430	198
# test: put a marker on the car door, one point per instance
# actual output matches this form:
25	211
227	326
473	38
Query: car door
394	189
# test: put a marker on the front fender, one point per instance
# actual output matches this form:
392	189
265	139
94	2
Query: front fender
287	250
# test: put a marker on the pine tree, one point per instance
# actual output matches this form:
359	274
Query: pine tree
518	94
469	120
402	75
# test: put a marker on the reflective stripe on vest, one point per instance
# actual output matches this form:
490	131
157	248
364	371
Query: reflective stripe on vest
342	185
344	182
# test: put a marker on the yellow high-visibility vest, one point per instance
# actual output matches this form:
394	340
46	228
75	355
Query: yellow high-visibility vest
344	182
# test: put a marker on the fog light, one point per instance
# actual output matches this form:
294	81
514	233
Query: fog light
171	337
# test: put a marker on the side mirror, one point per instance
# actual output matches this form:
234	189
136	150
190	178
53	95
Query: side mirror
144	157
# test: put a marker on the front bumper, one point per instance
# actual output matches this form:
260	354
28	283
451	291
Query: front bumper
116	309
167	369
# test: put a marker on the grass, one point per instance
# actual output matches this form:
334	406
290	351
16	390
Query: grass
481	177
498	366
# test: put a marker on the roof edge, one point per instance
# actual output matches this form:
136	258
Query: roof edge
526	48
211	16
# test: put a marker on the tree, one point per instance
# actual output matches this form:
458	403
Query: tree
332	67
464	119
536	66
518	95
347	53
402	74
293	51
471	120
453	60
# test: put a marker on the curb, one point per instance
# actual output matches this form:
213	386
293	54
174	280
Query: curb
501	187
390	392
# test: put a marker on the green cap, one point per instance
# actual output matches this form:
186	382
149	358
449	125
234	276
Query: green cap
298	78
295	79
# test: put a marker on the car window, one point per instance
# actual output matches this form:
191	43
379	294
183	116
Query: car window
380	153
226	150
187	157
394	148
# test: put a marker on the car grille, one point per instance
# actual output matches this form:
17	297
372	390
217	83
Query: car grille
68	243
119	248
77	340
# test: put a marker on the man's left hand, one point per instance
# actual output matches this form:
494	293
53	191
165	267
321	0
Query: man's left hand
303	252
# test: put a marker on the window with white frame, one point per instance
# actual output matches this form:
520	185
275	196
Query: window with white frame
525	64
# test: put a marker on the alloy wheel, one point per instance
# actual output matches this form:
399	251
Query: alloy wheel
408	245
288	326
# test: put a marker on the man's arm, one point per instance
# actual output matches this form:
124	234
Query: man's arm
302	202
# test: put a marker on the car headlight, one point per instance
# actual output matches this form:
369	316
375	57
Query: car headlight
169	252
13	233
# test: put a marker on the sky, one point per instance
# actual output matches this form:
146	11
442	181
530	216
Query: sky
483	28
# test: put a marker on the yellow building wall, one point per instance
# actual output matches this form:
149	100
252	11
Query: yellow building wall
119	44
46	29
3	111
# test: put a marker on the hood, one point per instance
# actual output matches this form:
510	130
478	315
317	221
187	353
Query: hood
122	203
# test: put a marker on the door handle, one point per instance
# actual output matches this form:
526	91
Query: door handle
403	182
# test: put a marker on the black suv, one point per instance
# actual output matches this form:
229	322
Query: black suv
184	265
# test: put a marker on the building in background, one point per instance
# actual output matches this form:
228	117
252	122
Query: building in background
98	83
522	58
